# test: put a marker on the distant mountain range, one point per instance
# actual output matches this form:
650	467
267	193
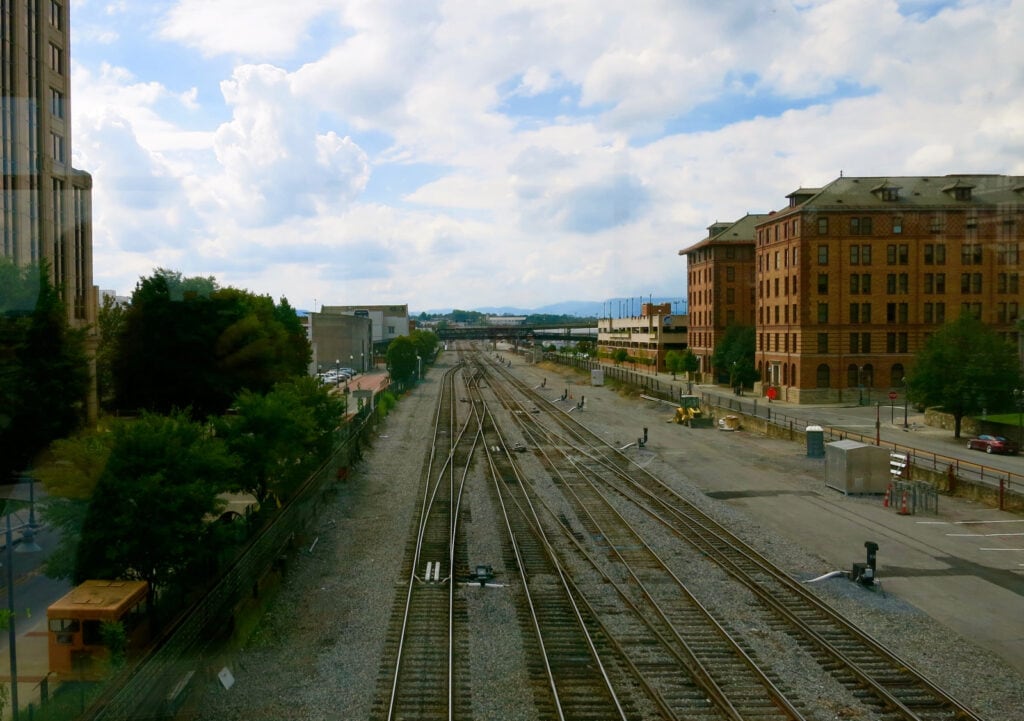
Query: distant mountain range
615	307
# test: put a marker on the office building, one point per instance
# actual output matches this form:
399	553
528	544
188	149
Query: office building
46	215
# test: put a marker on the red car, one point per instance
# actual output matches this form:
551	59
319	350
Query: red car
993	444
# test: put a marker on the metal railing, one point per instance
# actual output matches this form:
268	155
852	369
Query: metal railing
1002	481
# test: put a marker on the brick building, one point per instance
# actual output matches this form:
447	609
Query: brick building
852	277
720	284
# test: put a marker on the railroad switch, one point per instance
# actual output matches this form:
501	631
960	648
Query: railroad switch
864	573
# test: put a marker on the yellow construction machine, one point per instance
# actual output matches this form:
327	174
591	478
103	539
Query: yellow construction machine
689	413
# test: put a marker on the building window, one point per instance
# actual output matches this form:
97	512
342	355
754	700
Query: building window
854	255
57	148
860	226
730	273
730	295
822	283
940	283
962	193
897	254
929	312
890	283
897	225
855	312
854	284
1007	254
56	103
56	15
865	342
822	255
56	59
903	283
823	376
823	312
937	224
904	311
865	312
855	342
1008	283
823	342
940	312
822	226
890	312
970	254
865	255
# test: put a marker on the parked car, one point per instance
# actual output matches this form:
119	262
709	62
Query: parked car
993	444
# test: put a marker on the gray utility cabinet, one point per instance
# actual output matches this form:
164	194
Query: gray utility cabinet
854	467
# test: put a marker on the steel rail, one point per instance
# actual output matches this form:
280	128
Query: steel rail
948	707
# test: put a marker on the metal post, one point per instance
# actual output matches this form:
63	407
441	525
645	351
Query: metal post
12	635
906	391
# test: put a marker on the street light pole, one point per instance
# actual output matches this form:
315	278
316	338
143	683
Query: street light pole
28	545
1018	398
906	390
12	635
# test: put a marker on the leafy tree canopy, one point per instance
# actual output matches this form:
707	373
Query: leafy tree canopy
280	436
147	517
44	374
965	367
734	355
401	358
425	342
184	342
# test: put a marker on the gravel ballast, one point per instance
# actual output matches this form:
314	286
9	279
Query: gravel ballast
316	653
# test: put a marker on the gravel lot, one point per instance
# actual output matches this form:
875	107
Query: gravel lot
316	652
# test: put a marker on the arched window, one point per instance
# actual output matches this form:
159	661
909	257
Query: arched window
825	376
896	375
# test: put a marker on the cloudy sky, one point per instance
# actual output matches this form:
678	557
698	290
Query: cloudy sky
468	153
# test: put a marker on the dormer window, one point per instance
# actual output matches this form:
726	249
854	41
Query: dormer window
886	191
959	190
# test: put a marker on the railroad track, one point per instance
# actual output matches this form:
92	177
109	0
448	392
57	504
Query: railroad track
885	685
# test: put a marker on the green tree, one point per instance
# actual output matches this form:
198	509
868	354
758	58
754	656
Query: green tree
691	364
184	342
110	321
426	343
620	355
44	375
281	436
401	358
585	347
148	516
734	356
674	362
965	367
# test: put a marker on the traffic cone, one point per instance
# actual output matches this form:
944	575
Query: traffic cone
904	511
888	495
